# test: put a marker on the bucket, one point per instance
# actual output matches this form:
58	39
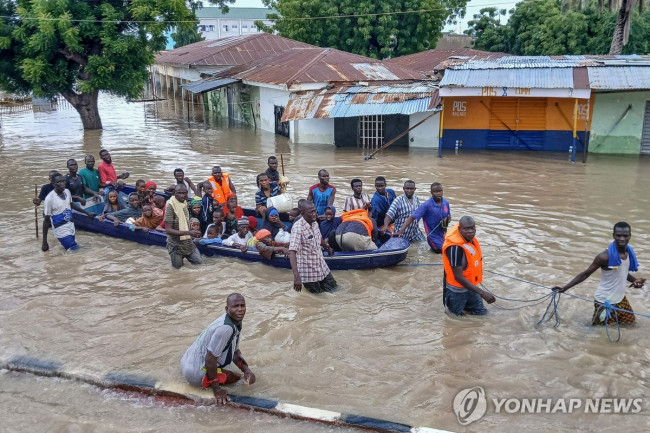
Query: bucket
282	202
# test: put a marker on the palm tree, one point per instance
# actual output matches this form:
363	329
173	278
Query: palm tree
622	29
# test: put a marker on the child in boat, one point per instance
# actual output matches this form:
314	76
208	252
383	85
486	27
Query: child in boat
195	224
211	236
158	209
231	224
252	225
242	236
148	221
113	203
141	190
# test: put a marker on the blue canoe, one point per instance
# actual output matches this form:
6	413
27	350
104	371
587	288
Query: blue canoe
390	253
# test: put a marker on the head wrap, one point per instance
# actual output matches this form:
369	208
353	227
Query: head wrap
252	222
150	183
195	200
274	211
194	220
242	222
261	234
326	227
268	225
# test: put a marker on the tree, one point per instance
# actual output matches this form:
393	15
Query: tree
490	34
622	29
79	48
374	28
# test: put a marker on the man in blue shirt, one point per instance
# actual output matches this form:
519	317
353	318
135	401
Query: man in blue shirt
381	201
435	214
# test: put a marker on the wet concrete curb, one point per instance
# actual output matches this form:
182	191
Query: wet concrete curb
149	386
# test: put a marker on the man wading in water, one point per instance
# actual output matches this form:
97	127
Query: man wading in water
615	263
217	346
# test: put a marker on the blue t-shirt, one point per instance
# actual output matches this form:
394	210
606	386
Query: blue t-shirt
380	204
321	198
432	214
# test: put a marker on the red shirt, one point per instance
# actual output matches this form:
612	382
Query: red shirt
106	172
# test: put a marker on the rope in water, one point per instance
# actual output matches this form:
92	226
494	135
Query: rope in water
554	301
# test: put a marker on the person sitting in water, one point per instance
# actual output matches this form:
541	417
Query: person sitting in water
357	231
240	238
265	246
321	194
113	203
132	210
267	189
218	222
277	228
212	236
180	177
204	362
272	172
615	263
358	199
148	221
381	200
151	188
330	223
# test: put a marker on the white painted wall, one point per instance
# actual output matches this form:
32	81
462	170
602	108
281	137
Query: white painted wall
269	98
313	131
427	134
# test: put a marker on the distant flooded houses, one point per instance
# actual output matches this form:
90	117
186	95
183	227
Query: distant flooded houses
466	98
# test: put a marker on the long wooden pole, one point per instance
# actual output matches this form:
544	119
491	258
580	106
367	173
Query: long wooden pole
282	162
36	211
400	136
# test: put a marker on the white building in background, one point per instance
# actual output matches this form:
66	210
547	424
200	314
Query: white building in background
214	24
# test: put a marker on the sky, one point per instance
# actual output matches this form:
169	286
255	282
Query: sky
473	7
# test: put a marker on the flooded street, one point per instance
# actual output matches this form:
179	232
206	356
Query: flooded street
382	346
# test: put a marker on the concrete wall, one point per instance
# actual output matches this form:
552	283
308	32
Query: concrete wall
427	134
269	98
610	133
313	131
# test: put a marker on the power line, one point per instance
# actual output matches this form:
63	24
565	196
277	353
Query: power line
261	19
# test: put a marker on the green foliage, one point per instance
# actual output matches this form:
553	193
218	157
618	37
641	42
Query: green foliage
377	36
65	46
551	27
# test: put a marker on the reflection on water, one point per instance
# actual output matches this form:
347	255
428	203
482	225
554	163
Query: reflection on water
382	346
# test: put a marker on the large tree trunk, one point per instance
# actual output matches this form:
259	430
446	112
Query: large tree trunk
86	106
622	29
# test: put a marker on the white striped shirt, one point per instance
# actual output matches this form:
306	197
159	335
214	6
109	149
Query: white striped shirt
399	211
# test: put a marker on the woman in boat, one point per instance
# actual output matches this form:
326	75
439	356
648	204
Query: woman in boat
232	206
196	211
330	223
267	189
113	203
276	227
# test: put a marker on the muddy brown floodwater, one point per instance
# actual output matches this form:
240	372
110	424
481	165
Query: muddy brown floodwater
382	346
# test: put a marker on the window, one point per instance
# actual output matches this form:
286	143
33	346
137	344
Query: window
201	28
225	27
371	131
234	26
211	28
244	28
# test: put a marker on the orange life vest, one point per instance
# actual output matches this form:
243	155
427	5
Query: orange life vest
473	254
359	215
220	191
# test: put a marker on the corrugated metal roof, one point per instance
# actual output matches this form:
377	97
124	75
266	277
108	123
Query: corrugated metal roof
619	77
319	65
527	62
540	78
208	84
429	61
231	51
352	101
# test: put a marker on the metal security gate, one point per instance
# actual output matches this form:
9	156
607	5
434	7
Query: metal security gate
517	124
371	132
645	135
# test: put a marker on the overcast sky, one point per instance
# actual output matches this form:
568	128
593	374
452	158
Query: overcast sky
473	6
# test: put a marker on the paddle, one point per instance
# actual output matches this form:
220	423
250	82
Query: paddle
36	211
282	161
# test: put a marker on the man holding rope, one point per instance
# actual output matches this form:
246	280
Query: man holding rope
615	263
